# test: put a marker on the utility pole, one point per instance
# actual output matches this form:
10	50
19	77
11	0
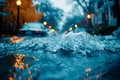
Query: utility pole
18	3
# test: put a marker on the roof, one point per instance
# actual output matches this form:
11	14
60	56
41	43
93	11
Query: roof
33	26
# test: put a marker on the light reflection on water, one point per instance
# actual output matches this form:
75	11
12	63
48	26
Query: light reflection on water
16	60
54	67
42	59
15	65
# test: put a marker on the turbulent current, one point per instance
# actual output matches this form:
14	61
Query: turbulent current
72	56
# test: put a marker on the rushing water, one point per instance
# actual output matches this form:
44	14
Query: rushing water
73	56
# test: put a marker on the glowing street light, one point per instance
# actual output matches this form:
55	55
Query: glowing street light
76	25
25	23
70	28
49	27
53	30
89	16
45	23
18	3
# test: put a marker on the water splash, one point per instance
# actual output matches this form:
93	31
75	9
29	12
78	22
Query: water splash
51	56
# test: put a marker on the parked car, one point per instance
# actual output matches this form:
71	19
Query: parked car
33	29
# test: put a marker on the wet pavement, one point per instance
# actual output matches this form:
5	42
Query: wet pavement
75	56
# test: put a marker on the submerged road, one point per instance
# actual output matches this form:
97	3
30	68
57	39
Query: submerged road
73	56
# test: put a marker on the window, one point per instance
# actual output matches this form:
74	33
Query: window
100	3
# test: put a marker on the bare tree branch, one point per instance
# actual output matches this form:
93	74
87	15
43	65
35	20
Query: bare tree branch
85	2
87	6
85	10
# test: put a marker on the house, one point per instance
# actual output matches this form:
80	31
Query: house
103	12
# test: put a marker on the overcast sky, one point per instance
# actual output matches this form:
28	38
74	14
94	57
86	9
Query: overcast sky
67	7
62	4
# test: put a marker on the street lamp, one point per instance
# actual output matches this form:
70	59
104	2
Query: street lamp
53	30
89	16
45	23
89	19
18	3
70	29
49	27
76	26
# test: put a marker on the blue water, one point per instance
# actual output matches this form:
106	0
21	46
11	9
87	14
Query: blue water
73	56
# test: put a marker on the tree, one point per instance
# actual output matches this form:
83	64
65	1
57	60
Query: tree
52	15
27	12
86	5
71	21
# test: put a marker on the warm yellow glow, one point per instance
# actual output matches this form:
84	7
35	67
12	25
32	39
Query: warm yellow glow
45	23
15	39
26	65
17	61
88	16
28	78
50	27
11	78
88	70
70	28
18	2
76	25
52	30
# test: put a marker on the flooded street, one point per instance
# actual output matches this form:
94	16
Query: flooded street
73	56
59	40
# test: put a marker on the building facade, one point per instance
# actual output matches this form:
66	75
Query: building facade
104	13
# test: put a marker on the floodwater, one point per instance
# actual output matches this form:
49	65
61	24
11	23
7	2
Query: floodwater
72	56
